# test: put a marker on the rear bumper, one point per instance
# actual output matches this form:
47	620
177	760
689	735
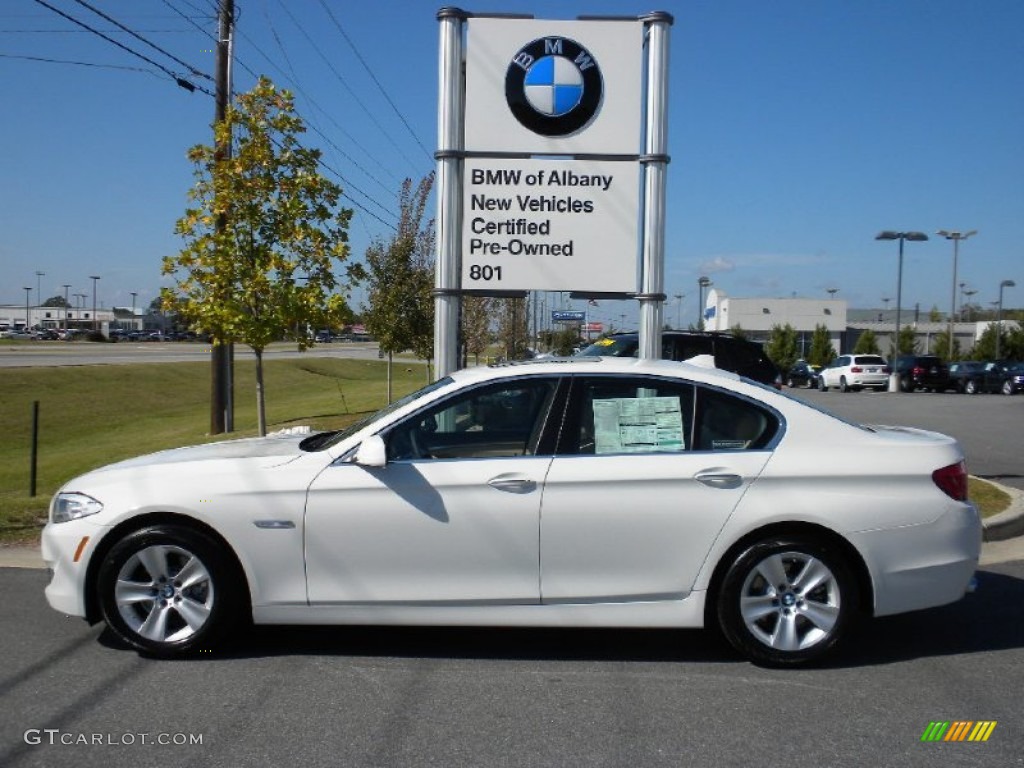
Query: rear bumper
923	566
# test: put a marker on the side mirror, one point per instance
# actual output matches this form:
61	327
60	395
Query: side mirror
372	452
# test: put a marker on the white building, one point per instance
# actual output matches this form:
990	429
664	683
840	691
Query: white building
757	316
13	316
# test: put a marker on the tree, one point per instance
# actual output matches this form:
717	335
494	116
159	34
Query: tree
512	315
934	315
263	235
907	341
822	352
941	346
985	349
738	332
401	277
867	344
476	325
56	301
782	346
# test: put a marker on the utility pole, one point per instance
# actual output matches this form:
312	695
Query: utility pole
222	406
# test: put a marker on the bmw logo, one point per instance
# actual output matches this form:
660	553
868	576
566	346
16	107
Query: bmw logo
553	86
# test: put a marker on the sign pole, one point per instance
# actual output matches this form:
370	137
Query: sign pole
449	192
655	161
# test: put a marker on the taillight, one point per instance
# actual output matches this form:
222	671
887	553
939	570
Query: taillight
952	480
887	369
918	370
856	369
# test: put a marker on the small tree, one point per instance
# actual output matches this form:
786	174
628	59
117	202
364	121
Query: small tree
401	311
867	344
512	326
782	346
738	332
942	347
56	301
822	352
907	344
263	236
476	325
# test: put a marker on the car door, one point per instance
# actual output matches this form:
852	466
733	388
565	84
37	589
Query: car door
452	517
645	477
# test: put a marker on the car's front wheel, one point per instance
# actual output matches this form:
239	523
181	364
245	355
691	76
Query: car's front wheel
168	590
1007	387
822	386
786	601
971	387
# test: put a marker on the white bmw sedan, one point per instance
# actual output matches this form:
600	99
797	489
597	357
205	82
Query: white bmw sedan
591	492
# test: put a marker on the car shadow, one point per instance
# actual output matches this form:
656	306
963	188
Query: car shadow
990	619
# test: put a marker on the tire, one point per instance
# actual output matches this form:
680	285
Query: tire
971	387
766	611
843	386
145	604
906	386
1007	388
821	384
789	383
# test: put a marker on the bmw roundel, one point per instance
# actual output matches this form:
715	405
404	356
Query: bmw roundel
553	86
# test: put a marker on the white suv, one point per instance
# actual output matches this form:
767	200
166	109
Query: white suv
855	372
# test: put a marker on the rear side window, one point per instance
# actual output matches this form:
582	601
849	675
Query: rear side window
869	360
725	422
684	347
621	346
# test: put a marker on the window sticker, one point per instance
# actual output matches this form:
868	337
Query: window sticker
638	425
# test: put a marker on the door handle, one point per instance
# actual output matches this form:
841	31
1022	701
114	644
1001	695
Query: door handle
512	484
726	480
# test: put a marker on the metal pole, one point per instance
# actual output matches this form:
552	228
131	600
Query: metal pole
35	447
67	307
899	298
447	280
222	353
655	162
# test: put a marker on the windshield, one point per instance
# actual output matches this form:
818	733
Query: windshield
322	440
619	346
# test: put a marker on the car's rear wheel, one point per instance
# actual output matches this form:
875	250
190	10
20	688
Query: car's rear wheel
971	387
843	386
1007	387
168	590
787	601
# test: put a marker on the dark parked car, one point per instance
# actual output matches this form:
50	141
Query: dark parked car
803	374
926	372
1003	376
731	353
967	376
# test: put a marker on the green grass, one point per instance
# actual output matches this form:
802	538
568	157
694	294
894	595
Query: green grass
94	415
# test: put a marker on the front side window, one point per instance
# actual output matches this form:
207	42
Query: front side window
492	421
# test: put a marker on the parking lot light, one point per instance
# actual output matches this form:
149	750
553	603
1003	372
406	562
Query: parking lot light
999	312
901	236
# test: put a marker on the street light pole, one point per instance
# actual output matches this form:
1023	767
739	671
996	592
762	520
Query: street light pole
999	312
956	237
967	303
901	236
39	288
94	278
679	311
67	307
702	283
28	298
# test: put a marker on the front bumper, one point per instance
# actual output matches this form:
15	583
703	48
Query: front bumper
67	549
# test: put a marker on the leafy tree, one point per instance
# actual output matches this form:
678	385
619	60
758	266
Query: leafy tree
907	344
934	315
401	277
822	352
56	301
942	349
512	315
782	346
263	234
476	325
1014	349
1011	343
867	344
738	332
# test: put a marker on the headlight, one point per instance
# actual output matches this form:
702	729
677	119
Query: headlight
71	506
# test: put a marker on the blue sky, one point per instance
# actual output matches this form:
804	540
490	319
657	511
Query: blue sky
798	130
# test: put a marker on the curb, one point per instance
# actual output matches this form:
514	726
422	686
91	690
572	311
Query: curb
1009	523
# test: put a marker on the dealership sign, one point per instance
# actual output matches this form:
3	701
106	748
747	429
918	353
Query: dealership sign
568	315
554	225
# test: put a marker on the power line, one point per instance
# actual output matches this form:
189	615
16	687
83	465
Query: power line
344	83
79	63
139	37
188	86
373	77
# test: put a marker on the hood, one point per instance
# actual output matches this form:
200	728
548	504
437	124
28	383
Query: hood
284	448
